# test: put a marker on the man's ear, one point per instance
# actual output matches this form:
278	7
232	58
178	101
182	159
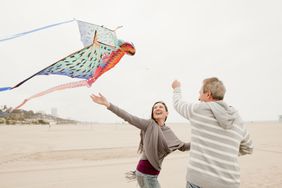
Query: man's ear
209	95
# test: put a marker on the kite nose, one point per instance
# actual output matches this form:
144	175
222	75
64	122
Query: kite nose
133	49
132	52
128	48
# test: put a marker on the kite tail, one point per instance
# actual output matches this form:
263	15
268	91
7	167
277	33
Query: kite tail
5	88
56	88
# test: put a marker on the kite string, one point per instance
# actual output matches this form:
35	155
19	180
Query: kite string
2	39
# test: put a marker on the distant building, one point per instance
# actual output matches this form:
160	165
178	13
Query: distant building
280	118
54	112
41	112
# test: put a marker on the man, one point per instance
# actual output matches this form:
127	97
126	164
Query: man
218	137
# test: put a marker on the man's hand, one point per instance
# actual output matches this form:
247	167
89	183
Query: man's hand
175	84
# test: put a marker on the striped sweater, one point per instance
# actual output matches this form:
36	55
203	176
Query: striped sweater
218	137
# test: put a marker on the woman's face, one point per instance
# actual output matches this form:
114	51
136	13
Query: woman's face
159	112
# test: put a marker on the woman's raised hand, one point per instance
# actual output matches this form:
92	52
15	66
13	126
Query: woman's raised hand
100	99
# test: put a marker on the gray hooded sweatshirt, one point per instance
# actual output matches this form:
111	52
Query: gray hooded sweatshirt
158	141
218	137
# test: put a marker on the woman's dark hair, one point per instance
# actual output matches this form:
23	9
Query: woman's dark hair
140	148
152	112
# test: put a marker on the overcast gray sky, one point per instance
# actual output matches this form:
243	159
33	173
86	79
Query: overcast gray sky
238	41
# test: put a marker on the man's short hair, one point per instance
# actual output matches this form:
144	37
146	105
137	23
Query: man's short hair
215	86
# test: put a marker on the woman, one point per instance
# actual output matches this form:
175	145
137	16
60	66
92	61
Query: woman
157	140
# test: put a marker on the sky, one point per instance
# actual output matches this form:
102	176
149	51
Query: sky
239	42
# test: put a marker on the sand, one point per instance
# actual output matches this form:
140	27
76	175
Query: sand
99	155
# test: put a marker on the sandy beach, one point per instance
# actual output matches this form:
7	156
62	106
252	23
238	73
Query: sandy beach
99	155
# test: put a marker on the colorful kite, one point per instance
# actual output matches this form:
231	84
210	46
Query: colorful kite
102	52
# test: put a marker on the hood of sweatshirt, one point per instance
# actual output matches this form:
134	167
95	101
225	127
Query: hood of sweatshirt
224	114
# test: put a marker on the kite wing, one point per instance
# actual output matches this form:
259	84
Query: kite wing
107	62
87	32
81	64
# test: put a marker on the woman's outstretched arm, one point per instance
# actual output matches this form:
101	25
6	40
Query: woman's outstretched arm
133	120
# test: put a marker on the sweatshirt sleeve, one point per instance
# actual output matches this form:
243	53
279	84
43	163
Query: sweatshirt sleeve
133	120
173	142
179	105
246	145
185	147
